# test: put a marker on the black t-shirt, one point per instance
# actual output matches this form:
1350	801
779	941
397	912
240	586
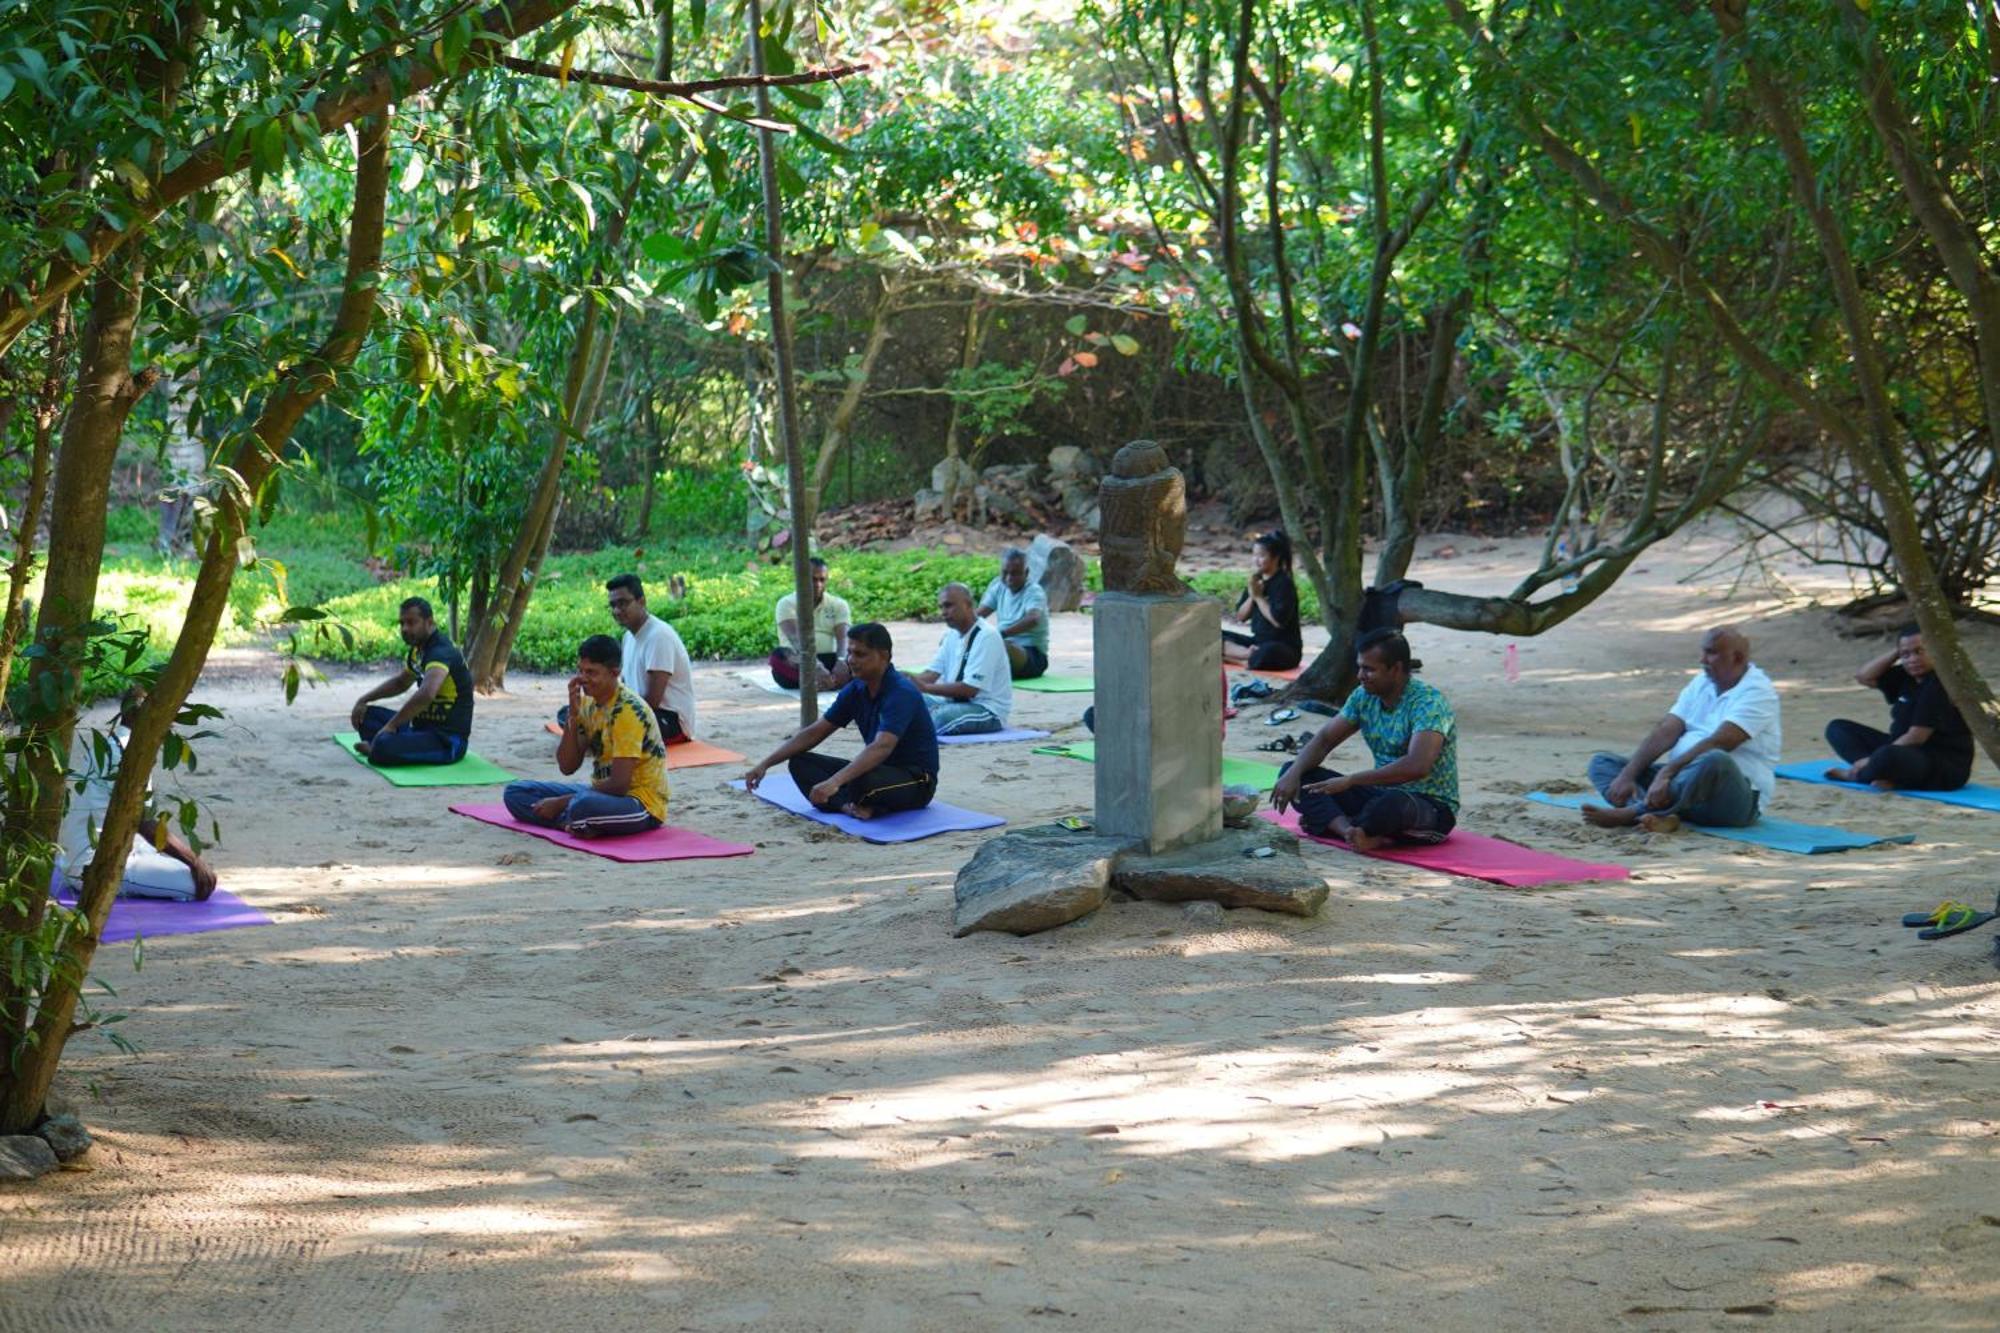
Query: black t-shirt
451	709
1283	595
1923	703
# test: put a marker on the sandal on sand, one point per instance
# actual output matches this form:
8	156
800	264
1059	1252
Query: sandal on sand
1936	916
1282	716
1282	745
1959	921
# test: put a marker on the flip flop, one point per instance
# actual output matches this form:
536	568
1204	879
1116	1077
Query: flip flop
1282	745
1936	915
1958	924
1282	716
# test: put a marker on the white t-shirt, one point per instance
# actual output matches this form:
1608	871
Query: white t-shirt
658	647
1752	704
977	658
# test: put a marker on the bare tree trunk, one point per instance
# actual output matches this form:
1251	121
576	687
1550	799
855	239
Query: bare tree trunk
786	382
48	410
24	1084
975	342
842	420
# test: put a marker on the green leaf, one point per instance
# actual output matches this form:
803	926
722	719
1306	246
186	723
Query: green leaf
1075	325
589	206
665	248
1125	343
77	249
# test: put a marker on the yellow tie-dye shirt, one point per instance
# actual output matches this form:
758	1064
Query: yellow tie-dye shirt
625	728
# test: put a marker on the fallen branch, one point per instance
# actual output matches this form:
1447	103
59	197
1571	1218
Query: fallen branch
684	88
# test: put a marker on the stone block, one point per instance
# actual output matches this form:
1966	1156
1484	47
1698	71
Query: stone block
1035	879
1159	726
1223	871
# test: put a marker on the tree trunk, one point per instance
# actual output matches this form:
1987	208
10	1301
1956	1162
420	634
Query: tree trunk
786	381
975	342
24	1084
842	420
48	410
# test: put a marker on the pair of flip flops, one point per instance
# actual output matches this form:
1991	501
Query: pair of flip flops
1287	744
1949	918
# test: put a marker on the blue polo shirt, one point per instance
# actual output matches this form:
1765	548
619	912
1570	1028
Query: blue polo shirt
899	710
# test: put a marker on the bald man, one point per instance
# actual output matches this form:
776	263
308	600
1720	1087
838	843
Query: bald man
968	686
1720	744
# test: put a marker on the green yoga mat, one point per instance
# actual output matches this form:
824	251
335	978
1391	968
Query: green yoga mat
471	771
1057	685
1235	772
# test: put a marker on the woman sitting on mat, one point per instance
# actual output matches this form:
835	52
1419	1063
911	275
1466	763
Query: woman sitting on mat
1411	795
1928	747
1270	606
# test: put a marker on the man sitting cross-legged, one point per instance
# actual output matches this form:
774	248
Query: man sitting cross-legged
616	729
968	685
1928	747
434	724
1411	795
1020	607
897	770
1721	743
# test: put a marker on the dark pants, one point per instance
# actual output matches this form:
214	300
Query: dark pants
1269	655
669	720
414	744
589	814
785	666
881	790
1712	790
1876	759
1025	661
1380	812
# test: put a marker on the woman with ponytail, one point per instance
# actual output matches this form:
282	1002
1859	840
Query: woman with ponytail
1270	607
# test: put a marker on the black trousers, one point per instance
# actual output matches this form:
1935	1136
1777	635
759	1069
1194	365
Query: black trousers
1269	655
1876	759
882	789
1380	812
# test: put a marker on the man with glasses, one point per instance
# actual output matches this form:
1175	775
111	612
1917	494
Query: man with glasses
655	664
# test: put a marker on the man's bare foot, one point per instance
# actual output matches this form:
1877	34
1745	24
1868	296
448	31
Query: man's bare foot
1840	775
1667	822
1883	784
1623	816
1364	842
858	811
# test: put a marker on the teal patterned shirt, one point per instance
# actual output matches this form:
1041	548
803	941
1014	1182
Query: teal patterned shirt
1422	708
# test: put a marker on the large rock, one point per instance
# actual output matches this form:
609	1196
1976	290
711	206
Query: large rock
1059	570
65	1135
1035	879
953	477
1067	462
1015	478
24	1157
1221	870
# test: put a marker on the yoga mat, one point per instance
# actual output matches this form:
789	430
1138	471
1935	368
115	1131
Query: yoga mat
471	771
1972	796
1475	856
1780	835
903	826
660	844
1057	685
995	737
154	917
1290	673
1235	772
761	678
682	754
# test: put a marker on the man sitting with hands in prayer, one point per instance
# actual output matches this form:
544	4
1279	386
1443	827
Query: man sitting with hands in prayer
897	770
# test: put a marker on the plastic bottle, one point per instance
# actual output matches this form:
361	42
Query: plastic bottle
1562	558
1510	663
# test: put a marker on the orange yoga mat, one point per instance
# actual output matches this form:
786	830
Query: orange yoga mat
682	754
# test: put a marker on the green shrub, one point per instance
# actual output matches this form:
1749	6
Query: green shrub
1228	585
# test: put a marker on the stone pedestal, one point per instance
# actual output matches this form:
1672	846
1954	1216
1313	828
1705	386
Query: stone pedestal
1158	718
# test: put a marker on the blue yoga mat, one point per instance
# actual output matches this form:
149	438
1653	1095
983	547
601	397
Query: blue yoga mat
995	737
1780	835
903	826
1972	796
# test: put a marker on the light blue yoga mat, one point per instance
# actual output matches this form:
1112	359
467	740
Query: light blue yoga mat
994	737
1780	835
1972	796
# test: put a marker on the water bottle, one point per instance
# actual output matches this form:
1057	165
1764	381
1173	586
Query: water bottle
1510	663
1562	558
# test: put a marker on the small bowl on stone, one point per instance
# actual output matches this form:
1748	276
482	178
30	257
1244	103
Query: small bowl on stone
1239	802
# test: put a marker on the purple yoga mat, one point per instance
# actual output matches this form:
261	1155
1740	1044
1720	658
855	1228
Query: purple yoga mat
154	917
994	737
1474	856
903	826
661	844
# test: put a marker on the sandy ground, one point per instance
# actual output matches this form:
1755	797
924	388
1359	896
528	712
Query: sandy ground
469	1081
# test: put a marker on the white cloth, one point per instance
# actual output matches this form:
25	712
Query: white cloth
658	647
148	873
1752	704
977	658
831	613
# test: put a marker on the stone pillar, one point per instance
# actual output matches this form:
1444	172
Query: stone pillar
1159	718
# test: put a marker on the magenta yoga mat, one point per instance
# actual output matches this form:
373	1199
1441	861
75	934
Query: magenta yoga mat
661	844
1475	856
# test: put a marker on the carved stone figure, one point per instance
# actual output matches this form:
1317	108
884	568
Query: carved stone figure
1144	505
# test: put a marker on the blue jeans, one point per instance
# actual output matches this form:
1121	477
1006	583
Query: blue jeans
415	743
1712	790
960	717
589	814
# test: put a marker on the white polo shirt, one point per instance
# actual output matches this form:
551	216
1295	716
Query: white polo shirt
978	658
1752	704
658	647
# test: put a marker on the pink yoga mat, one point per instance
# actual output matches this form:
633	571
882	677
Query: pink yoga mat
155	917
661	844
1475	856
